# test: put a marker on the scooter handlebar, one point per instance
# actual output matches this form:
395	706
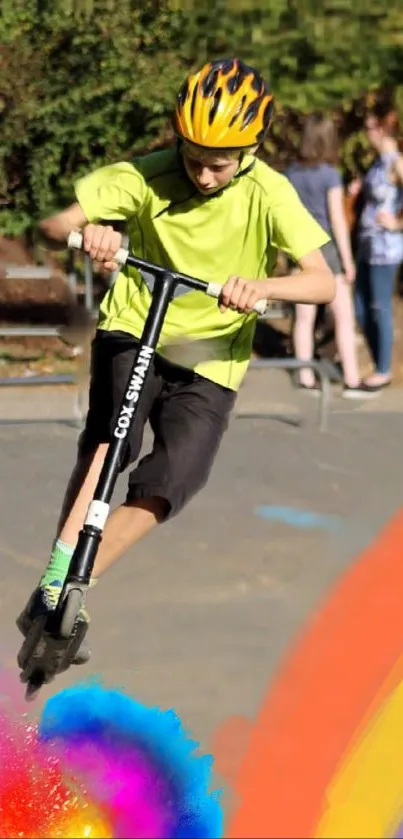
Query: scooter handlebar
75	240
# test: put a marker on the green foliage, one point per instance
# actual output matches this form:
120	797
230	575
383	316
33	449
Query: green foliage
78	91
85	81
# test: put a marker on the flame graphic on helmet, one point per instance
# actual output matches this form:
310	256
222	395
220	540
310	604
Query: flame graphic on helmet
225	105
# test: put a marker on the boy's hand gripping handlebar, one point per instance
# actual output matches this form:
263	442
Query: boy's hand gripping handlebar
123	257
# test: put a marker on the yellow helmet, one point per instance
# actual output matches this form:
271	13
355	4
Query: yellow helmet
225	105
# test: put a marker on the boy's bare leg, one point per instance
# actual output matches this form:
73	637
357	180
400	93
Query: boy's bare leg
79	493
125	525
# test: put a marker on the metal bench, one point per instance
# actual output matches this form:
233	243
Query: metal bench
296	364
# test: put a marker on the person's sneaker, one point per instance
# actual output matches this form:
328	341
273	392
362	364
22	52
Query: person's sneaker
43	601
359	392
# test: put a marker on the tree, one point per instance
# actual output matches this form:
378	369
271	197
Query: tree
85	81
78	92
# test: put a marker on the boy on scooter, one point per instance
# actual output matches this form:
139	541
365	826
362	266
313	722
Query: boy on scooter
207	208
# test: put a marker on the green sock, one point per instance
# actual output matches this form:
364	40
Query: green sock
59	562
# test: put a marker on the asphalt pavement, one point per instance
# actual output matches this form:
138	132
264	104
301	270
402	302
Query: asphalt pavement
199	615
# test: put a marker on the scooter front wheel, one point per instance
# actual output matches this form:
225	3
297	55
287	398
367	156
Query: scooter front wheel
70	612
33	643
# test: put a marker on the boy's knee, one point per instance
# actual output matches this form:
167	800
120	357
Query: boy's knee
155	504
169	500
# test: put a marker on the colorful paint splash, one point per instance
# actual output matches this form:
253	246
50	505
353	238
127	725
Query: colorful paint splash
101	765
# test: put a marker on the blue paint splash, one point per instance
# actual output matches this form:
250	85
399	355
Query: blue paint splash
300	519
139	763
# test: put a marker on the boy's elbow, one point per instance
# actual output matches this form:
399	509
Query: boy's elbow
56	228
51	230
44	227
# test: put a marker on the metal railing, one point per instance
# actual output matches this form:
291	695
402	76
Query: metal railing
296	364
40	272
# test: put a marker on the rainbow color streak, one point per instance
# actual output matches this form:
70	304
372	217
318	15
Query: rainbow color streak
101	765
323	759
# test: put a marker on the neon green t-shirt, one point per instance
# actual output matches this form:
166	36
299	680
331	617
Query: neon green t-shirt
238	231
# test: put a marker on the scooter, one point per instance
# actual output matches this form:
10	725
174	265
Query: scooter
54	639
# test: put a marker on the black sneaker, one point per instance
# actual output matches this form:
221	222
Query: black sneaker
43	601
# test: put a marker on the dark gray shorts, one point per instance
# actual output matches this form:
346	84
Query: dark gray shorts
332	257
187	413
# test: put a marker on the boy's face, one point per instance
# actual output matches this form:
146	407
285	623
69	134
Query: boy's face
209	170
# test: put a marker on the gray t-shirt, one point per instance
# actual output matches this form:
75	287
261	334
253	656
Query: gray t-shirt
312	184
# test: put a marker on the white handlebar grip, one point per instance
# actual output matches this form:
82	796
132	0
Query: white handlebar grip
215	289
75	240
121	256
260	307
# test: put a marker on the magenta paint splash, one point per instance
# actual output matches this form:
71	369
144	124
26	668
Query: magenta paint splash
99	764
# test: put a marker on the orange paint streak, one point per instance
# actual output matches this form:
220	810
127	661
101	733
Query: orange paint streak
331	683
